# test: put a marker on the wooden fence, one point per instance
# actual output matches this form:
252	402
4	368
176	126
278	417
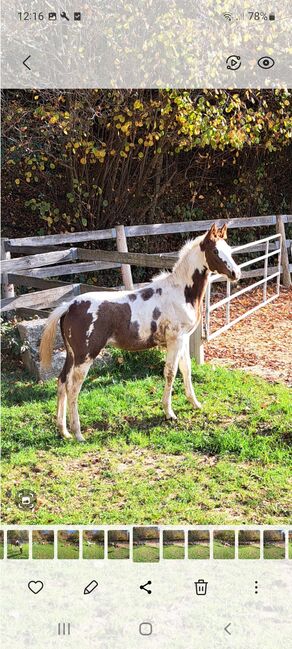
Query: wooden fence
42	257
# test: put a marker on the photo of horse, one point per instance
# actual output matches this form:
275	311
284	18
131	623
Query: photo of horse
146	288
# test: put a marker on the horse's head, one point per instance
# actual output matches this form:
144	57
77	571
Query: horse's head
218	253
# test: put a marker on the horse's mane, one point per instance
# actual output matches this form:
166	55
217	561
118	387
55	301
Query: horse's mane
181	267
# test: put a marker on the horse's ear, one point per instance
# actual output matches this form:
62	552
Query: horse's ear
223	231
211	235
213	232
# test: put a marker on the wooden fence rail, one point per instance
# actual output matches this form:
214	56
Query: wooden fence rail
47	260
141	231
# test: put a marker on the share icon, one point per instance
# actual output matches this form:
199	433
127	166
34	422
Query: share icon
144	587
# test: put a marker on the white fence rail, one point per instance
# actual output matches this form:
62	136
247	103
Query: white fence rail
226	301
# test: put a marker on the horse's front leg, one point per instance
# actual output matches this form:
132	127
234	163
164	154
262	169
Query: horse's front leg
186	370
174	348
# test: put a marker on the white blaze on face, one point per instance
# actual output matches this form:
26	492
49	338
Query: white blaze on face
225	253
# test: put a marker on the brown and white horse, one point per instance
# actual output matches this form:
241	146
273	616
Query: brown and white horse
163	314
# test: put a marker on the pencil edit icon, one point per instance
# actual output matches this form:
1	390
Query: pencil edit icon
90	587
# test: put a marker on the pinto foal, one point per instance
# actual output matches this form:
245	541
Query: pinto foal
164	314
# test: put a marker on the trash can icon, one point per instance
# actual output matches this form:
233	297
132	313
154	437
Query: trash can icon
201	587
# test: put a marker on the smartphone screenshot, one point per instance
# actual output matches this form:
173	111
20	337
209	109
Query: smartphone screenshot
146	324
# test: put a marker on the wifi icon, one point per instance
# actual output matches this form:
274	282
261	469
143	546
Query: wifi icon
228	17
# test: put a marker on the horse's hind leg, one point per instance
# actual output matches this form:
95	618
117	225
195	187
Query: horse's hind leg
74	382
62	398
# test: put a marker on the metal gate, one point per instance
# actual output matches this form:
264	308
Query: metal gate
210	308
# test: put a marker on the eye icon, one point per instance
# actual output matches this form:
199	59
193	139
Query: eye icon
266	62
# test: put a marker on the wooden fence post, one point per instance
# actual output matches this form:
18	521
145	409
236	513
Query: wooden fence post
8	289
196	344
280	229
123	247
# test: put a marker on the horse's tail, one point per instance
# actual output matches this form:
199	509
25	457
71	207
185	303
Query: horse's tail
49	335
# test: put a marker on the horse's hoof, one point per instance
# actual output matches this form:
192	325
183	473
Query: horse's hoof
171	415
196	404
66	435
81	439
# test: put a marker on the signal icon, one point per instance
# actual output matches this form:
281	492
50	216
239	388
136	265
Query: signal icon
228	17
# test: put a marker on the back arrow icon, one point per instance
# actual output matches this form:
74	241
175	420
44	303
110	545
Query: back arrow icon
24	62
226	628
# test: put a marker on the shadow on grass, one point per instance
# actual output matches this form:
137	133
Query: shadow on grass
20	388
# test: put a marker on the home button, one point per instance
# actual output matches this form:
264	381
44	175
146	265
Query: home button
145	628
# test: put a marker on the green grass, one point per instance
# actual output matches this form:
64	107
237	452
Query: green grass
274	552
14	552
145	553
228	463
118	553
249	551
290	549
221	551
40	551
1	551
173	552
67	551
199	551
93	551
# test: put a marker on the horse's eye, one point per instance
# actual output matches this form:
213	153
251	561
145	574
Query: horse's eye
216	252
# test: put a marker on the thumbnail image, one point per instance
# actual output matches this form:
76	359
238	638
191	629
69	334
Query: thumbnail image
93	544
1	544
224	544
146	544
198	544
118	544
17	544
43	544
68	544
249	544
173	544
274	544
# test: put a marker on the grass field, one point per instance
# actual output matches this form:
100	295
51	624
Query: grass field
221	551
67	551
118	553
199	551
274	552
40	551
13	552
174	552
93	551
249	552
1	550
227	463
146	553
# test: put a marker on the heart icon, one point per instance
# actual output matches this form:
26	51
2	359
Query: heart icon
35	586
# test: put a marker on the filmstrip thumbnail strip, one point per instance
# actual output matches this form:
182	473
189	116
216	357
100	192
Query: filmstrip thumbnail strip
145	544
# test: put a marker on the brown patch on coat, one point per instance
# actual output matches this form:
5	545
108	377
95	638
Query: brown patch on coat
194	294
156	313
153	326
74	325
132	297
114	323
147	293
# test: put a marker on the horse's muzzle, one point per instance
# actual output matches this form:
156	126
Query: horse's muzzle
236	275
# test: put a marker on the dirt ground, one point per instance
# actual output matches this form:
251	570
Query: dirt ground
261	343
